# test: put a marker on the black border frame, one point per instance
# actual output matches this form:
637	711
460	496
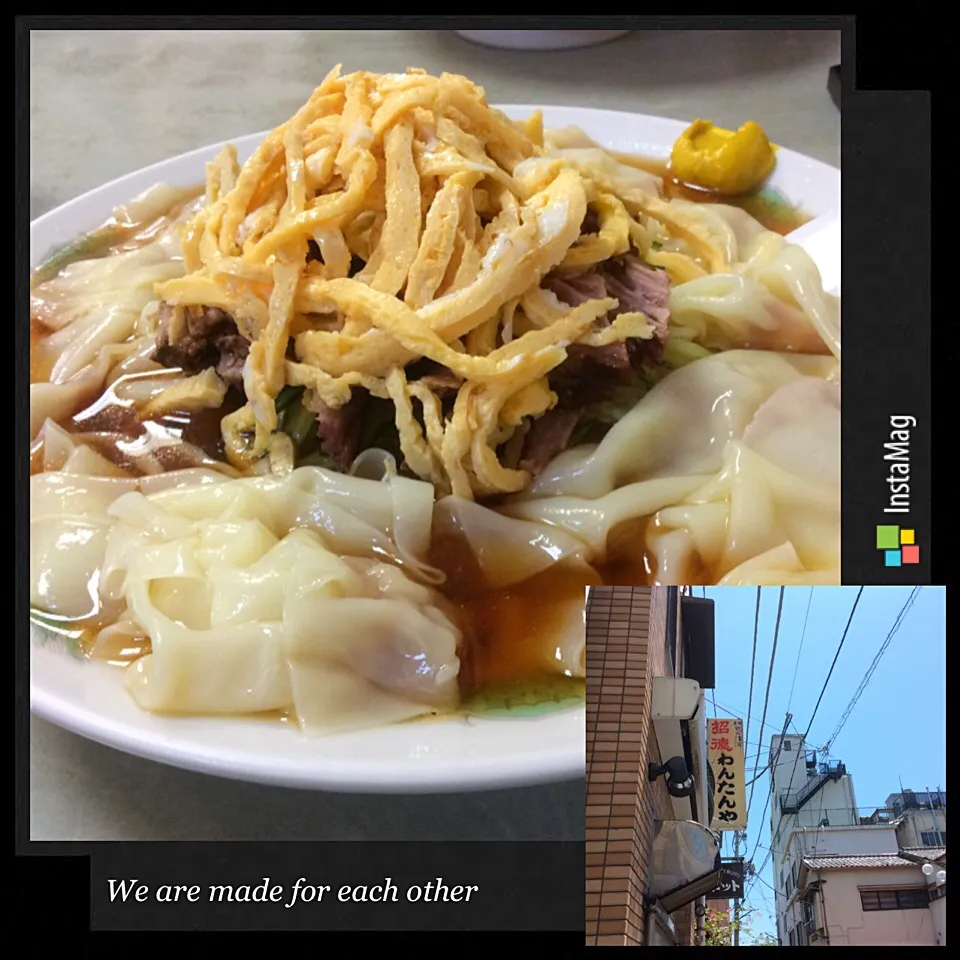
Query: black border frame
887	163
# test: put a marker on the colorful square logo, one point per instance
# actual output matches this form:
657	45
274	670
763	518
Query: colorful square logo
898	546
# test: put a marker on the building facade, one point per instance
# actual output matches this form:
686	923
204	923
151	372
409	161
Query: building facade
921	817
645	647
867	900
846	876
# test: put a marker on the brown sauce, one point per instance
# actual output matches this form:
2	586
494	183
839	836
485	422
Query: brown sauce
766	206
81	637
510	633
626	561
119	234
40	365
114	428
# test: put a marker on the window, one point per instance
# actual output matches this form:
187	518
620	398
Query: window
787	745
914	898
934	838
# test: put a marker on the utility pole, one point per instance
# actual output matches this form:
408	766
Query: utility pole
736	903
933	813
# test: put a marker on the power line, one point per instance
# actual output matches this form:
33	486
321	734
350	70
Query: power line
759	870
816	708
739	713
846	630
820	819
766	859
758	775
772	763
764	882
832	665
753	663
901	616
766	699
769	854
803	634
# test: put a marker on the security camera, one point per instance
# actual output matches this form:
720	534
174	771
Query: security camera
679	779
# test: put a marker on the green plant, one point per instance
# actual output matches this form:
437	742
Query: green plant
720	926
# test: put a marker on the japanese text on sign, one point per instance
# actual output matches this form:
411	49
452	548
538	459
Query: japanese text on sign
725	748
730	885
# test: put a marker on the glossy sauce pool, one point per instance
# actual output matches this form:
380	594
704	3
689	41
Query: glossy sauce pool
765	205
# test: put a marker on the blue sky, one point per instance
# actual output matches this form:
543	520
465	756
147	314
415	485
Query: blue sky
896	729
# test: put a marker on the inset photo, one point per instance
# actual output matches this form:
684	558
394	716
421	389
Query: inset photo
726	728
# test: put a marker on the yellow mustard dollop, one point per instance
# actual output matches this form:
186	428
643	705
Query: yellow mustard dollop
723	161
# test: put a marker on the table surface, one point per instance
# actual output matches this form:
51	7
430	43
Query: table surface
103	104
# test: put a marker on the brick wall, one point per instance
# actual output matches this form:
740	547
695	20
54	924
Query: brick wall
685	921
626	648
621	658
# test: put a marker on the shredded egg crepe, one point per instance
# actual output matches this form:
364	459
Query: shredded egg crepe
456	214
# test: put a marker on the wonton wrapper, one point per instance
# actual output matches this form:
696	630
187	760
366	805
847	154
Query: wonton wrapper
731	457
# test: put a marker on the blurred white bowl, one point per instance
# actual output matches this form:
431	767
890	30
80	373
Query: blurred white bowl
821	239
540	39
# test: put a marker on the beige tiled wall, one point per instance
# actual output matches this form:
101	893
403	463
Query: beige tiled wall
619	651
625	650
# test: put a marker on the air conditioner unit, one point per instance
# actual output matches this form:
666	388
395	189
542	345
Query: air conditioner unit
675	701
698	746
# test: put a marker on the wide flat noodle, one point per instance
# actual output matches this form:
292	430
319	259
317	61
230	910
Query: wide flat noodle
727	459
244	590
236	632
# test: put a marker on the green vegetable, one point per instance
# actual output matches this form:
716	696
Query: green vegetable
78	249
380	427
317	459
90	246
531	698
679	352
54	630
656	245
296	421
597	418
298	424
286	397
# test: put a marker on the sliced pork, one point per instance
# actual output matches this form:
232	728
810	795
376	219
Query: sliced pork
589	373
340	429
210	339
548	435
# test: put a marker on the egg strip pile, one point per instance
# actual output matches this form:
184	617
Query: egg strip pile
456	213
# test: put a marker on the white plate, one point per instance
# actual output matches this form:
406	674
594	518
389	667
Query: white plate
449	755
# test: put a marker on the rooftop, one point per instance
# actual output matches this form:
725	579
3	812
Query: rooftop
860	861
930	854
